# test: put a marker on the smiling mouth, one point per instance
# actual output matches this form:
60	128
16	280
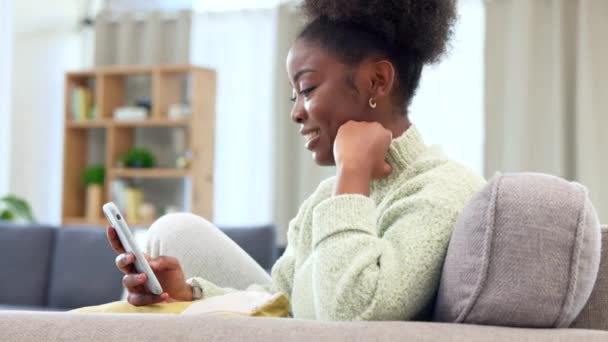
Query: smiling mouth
312	135
312	138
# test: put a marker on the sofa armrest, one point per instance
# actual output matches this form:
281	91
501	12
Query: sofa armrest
595	313
36	326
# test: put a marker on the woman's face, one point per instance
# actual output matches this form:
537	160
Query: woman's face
327	94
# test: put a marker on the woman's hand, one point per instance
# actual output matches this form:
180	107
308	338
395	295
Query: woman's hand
360	153
167	270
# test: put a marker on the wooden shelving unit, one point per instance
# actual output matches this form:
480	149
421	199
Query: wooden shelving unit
109	87
150	173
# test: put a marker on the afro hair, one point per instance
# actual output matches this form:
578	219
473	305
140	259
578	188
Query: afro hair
420	27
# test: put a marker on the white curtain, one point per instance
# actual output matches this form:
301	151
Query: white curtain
448	107
240	47
6	48
263	171
142	37
547	90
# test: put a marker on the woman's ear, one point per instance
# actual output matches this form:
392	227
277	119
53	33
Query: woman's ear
382	78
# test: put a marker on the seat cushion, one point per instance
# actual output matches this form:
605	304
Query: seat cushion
25	254
525	252
83	269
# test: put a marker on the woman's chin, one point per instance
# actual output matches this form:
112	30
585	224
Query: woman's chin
323	159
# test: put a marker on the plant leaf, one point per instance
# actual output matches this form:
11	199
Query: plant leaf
17	208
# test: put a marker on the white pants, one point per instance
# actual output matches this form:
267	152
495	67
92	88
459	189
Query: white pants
204	251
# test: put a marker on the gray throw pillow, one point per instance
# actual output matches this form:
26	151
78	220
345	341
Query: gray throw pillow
525	252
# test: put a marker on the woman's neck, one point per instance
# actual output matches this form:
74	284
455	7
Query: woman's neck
398	125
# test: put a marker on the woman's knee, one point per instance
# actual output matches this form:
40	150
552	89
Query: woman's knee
178	228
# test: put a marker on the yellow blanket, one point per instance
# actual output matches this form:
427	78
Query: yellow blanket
242	303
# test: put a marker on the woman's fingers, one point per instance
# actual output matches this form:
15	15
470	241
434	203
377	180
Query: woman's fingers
140	299
114	240
147	256
133	281
126	263
164	263
386	169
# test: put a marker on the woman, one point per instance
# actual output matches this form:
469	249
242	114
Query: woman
370	242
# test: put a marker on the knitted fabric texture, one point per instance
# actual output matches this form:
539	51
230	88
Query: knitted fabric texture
352	257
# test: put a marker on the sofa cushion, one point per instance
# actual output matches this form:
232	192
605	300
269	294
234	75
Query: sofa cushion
595	312
26	253
83	269
525	252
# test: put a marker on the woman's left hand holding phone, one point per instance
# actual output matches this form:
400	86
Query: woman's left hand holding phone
167	270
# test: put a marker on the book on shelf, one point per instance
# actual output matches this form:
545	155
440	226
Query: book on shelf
83	107
130	113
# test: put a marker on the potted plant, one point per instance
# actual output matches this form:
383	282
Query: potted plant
93	178
15	209
138	157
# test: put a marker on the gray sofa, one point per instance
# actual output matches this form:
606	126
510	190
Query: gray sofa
46	268
45	326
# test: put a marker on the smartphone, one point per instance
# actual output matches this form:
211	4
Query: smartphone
128	242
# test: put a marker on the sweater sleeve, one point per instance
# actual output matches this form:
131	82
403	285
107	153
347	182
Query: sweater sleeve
360	274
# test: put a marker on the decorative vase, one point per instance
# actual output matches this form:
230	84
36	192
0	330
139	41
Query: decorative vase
93	203
134	197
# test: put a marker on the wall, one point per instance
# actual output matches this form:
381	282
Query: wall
46	44
5	77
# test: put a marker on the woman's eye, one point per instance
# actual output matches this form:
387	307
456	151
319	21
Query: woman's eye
294	96
306	92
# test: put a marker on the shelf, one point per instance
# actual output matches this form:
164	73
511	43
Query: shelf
149	173
130	123
89	124
165	85
82	74
152	123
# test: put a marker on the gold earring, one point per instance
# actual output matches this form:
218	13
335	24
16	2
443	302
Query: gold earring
372	102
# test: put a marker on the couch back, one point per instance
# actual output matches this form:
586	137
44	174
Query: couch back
25	259
595	313
83	272
43	266
71	267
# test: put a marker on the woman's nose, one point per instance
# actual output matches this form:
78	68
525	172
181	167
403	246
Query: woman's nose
298	113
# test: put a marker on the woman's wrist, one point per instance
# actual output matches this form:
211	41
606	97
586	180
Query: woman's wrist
352	180
186	294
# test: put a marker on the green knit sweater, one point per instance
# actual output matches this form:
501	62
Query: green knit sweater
352	257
